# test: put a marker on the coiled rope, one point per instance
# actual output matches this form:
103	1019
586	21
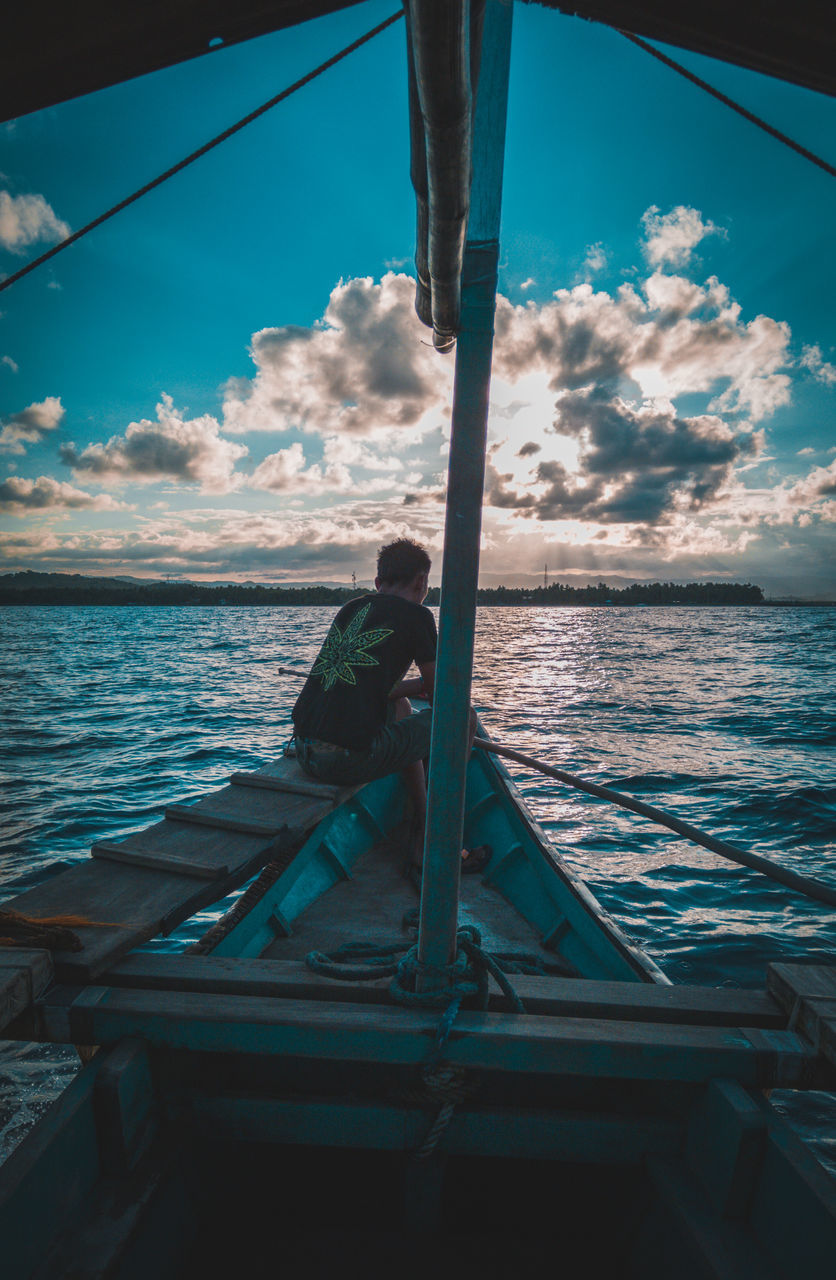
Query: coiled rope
419	985
201	151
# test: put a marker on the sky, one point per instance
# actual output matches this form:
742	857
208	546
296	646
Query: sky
227	381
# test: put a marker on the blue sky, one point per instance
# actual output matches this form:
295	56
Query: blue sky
227	379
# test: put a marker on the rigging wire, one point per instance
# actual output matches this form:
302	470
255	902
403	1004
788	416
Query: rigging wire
729	102
201	151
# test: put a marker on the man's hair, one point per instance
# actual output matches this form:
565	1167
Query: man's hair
400	561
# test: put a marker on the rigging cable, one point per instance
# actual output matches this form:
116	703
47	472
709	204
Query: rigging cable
201	151
729	102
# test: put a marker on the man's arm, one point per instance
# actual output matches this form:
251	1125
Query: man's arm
417	687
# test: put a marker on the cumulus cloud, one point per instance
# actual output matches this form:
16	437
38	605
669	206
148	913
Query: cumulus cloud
27	220
173	447
595	260
20	497
679	337
821	369
287	472
672	237
820	483
255	544
366	368
639	464
31	424
10	363
593	447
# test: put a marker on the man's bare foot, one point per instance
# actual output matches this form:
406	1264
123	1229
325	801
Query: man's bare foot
473	861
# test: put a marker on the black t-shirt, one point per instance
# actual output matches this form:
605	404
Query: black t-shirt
371	644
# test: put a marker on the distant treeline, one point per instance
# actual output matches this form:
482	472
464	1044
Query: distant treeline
637	593
57	588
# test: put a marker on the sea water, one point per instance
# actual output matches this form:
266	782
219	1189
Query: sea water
722	716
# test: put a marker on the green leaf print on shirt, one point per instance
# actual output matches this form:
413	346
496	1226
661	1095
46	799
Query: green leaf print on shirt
344	650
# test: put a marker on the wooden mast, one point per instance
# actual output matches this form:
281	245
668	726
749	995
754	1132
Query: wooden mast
466	475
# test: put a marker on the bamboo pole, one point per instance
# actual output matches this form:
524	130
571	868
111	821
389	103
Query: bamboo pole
460	564
792	879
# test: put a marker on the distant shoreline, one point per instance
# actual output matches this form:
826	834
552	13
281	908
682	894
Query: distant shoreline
30	589
484	604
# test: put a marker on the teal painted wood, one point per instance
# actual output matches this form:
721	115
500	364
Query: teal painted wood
125	1106
529	872
726	1139
525	869
581	1138
683	1237
326	857
47	1179
793	1211
505	1042
463	520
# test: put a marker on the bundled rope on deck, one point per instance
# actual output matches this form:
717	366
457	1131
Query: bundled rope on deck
49	933
419	985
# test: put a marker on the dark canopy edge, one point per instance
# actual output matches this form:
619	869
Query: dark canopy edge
54	50
791	41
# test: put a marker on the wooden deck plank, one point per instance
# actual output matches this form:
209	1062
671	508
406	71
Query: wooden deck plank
132	903
221	820
266	782
808	994
112	851
24	975
552	996
789	982
571	1047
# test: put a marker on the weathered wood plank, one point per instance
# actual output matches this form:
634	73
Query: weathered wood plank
114	852
584	1138
24	975
492	1041
129	898
808	993
129	905
290	786
817	1021
221	821
790	982
557	997
204	845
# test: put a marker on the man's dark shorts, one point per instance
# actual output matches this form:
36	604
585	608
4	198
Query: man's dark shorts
399	743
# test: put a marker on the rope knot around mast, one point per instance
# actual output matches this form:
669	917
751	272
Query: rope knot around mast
416	984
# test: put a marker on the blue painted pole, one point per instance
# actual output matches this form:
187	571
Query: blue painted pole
466	478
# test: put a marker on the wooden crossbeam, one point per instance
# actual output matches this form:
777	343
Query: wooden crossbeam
554	996
563	1047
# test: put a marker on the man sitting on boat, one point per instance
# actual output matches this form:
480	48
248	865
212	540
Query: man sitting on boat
353	718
